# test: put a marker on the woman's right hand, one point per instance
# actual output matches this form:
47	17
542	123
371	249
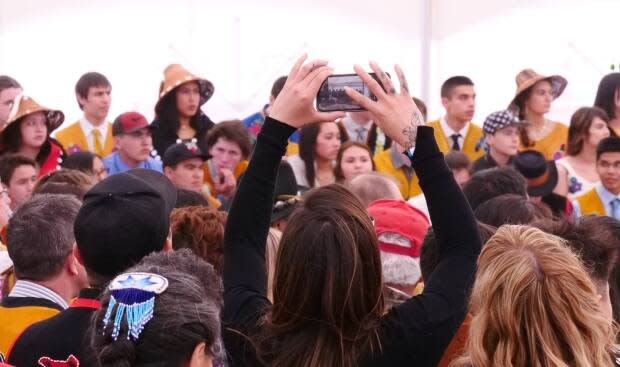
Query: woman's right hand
295	103
395	112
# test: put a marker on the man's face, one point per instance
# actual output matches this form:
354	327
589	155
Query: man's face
135	146
504	141
7	99
608	168
461	104
225	154
96	105
187	174
21	184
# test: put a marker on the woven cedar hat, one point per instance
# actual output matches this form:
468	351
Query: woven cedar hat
25	106
528	77
174	76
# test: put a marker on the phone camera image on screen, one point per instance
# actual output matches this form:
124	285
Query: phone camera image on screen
332	97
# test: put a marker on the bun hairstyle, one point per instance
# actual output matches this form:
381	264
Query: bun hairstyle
186	314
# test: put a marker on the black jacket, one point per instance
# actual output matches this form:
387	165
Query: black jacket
163	137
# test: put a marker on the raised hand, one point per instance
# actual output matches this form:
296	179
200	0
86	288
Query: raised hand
395	112
295	103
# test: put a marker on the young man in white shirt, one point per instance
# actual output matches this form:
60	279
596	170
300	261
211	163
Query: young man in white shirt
91	132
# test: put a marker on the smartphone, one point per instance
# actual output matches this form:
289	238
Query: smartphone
332	97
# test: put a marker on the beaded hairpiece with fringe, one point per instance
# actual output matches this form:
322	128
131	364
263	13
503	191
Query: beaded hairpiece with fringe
132	300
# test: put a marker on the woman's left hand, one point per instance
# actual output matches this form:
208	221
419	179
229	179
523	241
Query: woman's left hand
295	103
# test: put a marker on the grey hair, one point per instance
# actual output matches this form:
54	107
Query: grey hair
40	235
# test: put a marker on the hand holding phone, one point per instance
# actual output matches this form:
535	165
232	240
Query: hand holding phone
395	112
332	97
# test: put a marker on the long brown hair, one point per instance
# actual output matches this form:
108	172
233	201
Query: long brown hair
533	304
327	299
578	130
343	148
307	142
520	102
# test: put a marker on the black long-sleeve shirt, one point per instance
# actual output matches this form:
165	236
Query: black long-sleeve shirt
414	333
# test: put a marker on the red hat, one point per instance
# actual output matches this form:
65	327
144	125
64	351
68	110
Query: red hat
129	122
396	216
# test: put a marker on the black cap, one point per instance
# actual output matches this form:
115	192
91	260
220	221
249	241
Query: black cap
286	195
124	218
180	152
541	175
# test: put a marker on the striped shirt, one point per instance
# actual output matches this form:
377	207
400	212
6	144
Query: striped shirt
24	288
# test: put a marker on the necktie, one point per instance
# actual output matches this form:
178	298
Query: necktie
361	134
615	208
455	141
97	142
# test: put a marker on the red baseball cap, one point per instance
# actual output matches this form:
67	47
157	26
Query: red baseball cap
396	216
128	122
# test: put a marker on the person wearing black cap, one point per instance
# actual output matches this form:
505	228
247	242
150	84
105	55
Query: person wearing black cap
134	144
542	177
501	136
123	218
183	165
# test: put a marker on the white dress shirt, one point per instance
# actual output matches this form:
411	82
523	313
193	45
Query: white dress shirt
88	127
448	132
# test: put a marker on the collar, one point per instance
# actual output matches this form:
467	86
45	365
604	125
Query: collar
448	131
88	127
24	288
398	160
88	298
605	195
352	125
121	166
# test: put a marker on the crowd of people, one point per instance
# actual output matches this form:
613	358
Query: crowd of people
295	237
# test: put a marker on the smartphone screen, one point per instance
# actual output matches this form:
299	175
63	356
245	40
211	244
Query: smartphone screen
332	97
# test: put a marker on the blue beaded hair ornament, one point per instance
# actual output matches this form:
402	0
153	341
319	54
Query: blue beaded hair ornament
132	300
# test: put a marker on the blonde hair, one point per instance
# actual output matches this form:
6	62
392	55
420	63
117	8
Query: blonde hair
273	242
533	304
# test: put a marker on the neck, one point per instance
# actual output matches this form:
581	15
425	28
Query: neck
95	121
323	164
28	151
184	121
359	120
535	119
454	123
499	158
588	154
615	123
59	285
131	163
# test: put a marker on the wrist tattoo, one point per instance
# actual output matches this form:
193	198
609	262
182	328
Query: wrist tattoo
410	132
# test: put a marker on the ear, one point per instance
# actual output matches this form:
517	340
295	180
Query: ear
168	171
77	255
71	262
489	138
81	100
200	357
117	140
445	101
271	100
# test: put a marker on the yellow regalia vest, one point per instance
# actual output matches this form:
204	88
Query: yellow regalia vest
552	145
72	137
409	188
591	203
15	319
474	133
